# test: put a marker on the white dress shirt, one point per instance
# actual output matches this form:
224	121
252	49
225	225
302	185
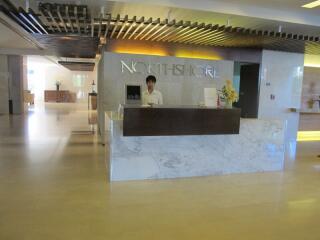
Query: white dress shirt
155	97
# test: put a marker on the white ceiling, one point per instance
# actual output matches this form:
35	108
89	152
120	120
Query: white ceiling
284	10
287	5
53	60
276	4
13	36
10	39
221	18
234	5
43	60
240	7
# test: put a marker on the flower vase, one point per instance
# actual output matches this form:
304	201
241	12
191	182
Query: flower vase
310	103
228	104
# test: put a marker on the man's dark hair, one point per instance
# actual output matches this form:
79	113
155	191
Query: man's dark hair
151	78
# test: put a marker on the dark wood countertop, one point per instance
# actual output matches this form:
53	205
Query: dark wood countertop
179	120
172	106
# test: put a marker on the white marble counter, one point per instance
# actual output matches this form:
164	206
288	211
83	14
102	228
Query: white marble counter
259	147
309	112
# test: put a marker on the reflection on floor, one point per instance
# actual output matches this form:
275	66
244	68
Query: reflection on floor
309	127
304	136
53	186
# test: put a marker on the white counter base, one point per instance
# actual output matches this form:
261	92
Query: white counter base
259	147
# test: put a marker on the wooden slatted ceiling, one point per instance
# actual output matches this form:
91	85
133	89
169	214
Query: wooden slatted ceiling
75	20
78	66
70	46
208	35
65	18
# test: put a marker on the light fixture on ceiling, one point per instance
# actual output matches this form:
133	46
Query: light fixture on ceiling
312	4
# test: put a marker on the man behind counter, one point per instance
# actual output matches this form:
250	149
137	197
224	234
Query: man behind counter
151	96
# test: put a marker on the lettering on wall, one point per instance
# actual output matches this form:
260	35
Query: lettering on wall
138	67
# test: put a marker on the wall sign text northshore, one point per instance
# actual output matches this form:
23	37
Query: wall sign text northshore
138	67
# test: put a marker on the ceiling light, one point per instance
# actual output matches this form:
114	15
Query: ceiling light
312	4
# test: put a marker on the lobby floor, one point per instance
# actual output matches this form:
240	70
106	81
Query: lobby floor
53	186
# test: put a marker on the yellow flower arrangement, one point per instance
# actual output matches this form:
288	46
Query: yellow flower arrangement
229	94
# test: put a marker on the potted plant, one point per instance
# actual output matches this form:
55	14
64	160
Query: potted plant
310	103
229	94
58	83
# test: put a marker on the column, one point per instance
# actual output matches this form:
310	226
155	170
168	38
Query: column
16	83
4	85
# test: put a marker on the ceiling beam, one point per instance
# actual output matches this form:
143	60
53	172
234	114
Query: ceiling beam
68	18
185	28
75	11
92	27
25	16
100	24
85	23
190	30
192	35
133	24
115	26
108	24
36	19
157	23
137	28
206	35
164	25
170	26
175	28
144	28
124	24
61	19
53	20
45	20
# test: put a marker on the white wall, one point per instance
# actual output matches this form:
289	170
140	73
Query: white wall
311	88
74	81
282	76
43	76
176	90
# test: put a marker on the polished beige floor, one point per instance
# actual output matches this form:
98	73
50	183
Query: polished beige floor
53	186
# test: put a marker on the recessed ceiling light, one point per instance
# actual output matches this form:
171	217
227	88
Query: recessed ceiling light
312	4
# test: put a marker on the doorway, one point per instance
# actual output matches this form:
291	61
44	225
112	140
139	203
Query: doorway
246	79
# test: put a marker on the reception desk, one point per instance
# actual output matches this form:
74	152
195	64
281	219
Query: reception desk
177	120
240	146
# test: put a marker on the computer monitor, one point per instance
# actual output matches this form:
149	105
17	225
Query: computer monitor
133	94
210	97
